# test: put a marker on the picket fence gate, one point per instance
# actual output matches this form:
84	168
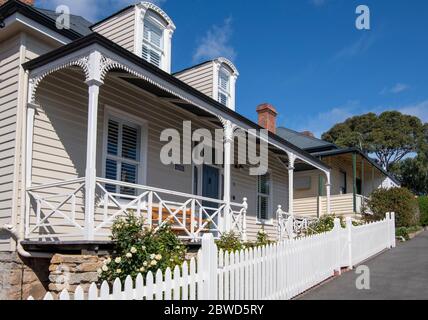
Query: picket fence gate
278	271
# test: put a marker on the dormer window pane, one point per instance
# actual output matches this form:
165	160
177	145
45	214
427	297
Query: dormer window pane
222	98
152	43
223	87
224	81
153	34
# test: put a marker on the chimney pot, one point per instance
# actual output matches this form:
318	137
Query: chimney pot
267	116
308	134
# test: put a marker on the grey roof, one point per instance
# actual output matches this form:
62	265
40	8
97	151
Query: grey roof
77	23
304	142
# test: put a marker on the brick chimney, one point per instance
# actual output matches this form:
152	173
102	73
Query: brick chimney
28	2
308	134
267	116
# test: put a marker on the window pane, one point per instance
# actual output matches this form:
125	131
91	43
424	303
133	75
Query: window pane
153	34
262	206
264	184
222	98
224	80
151	56
129	143
113	137
111	171
128	174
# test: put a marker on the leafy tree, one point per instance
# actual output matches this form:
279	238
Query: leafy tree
413	174
391	136
398	200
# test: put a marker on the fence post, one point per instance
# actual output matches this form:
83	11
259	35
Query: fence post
209	267
392	225
388	231
349	227
337	236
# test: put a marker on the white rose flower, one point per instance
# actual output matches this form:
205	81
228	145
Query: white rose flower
154	262
144	248
107	261
119	271
152	256
118	260
158	257
99	271
142	269
145	263
129	255
104	268
133	250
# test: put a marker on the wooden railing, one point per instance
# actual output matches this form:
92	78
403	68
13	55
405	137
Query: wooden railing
57	211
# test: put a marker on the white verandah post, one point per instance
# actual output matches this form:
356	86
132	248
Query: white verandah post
94	82
291	161
228	128
328	192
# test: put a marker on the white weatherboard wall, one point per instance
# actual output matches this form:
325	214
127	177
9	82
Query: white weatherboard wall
60	142
279	271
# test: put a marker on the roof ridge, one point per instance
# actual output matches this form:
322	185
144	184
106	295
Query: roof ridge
303	135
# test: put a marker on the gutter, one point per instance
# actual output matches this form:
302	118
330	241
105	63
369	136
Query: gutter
11	230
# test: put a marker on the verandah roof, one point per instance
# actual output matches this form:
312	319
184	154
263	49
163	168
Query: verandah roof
212	107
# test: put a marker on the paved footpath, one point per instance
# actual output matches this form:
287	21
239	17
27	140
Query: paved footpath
397	274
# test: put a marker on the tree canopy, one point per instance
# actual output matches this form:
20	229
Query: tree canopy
391	136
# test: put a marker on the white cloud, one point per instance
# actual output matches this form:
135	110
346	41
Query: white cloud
362	45
323	121
93	10
397	88
215	43
419	110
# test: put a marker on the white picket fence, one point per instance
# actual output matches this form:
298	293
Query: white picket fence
275	272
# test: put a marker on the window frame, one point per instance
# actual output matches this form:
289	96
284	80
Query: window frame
124	117
220	89
143	42
270	218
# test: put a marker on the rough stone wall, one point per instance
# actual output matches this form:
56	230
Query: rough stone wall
21	278
69	271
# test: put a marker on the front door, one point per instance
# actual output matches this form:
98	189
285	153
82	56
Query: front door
210	182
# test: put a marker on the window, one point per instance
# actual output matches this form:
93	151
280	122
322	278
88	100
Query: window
152	42
343	189
224	87
122	154
263	197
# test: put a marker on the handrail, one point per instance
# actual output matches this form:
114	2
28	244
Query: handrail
176	193
57	184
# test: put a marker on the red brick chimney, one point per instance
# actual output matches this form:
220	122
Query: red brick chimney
308	134
29	2
267	116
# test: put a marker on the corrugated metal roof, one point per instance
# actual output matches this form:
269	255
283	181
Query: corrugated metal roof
77	23
302	141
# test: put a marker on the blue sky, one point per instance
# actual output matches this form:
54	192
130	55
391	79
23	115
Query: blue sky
303	56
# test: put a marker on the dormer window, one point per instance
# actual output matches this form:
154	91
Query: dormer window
152	50
224	87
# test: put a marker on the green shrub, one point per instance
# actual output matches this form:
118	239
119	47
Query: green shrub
325	224
402	232
398	200
229	242
262	239
140	249
423	207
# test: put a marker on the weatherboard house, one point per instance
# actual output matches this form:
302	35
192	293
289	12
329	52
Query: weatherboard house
81	112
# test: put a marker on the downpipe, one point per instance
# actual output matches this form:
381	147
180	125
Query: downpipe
11	230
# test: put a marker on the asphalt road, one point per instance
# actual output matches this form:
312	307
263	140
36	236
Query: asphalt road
397	274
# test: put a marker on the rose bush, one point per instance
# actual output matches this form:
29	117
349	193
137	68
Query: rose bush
140	249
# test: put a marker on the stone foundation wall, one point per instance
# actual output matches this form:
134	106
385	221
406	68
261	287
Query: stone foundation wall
21	278
69	271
